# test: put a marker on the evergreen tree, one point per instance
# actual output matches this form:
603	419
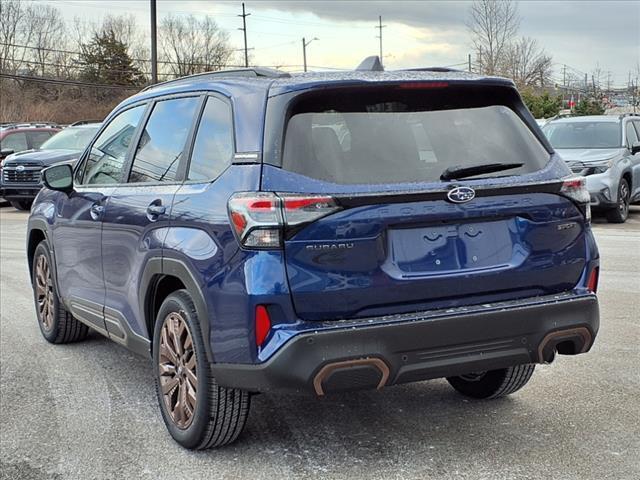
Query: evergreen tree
542	106
105	60
589	106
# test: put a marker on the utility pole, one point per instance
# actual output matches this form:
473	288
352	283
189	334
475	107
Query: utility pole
305	44
564	75
380	27
469	63
244	30
154	44
586	83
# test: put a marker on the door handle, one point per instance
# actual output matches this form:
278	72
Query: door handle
155	210
96	211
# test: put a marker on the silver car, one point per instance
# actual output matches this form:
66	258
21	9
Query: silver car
606	150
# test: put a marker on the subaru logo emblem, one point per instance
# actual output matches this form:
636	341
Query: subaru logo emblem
461	194
20	168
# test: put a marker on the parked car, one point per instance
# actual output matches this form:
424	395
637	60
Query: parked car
606	150
255	231
16	137
20	181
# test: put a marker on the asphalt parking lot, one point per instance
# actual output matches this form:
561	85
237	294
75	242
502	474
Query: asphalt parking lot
88	410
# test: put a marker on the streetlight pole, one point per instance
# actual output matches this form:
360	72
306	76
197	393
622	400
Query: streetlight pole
305	44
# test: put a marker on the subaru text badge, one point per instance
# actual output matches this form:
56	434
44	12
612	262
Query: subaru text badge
461	194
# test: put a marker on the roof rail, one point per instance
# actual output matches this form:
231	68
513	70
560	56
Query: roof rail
254	72
370	64
84	122
14	125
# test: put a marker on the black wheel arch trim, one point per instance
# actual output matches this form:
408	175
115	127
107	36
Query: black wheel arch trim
158	267
42	226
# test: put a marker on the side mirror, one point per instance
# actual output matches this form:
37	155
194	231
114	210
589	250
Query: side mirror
635	148
5	152
58	177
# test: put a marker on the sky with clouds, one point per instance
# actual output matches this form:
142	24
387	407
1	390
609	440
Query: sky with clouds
584	35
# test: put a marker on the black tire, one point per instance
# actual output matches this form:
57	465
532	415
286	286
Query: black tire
494	383
620	212
56	323
219	413
21	204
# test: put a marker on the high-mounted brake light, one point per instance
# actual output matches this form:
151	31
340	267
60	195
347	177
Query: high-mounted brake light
259	219
576	189
423	85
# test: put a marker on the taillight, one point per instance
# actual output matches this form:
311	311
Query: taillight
259	219
592	283
303	209
576	189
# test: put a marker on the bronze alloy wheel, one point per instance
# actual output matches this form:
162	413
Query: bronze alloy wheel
177	370
44	293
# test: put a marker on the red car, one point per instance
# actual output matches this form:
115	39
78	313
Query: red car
16	137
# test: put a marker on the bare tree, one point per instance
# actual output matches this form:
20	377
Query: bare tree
14	31
191	45
493	24
48	33
526	63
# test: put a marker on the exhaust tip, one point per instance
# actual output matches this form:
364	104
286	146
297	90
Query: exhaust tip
566	342
348	375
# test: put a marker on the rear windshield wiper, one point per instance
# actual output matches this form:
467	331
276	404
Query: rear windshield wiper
457	172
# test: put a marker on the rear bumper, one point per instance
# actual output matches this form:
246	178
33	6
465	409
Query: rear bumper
422	346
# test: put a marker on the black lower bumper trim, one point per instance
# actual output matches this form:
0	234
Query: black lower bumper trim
425	348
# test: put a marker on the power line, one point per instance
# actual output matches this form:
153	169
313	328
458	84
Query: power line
141	60
67	82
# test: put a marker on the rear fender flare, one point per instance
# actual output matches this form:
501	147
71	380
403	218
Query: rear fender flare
156	267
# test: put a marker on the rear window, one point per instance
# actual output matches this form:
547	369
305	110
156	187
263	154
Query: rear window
405	137
583	134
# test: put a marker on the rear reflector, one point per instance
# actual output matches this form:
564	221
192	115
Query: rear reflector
263	324
592	284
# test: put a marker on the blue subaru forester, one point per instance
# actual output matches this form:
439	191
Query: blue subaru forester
255	231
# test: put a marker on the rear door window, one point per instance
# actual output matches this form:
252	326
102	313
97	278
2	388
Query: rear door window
402	137
213	147
163	141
